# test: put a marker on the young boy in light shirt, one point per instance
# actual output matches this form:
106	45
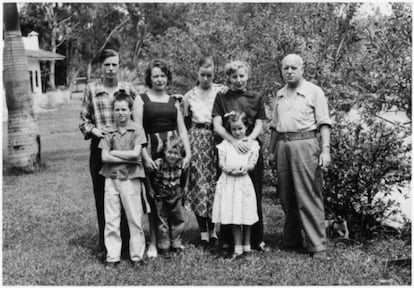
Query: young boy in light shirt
124	174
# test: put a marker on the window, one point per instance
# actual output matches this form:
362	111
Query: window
37	78
31	80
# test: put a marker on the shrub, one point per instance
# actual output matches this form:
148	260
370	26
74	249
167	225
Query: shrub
366	158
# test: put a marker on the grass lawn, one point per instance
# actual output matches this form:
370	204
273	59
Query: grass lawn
50	231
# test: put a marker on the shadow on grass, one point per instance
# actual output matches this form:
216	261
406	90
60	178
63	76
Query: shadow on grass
88	241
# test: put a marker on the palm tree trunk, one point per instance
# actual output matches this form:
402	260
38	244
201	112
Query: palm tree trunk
23	131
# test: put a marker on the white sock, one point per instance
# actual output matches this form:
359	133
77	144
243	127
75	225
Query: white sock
238	249
247	248
204	236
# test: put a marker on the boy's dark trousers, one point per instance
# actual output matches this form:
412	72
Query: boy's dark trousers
98	182
170	221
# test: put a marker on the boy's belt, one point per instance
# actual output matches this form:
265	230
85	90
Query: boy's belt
292	136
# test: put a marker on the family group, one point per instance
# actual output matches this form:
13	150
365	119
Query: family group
154	153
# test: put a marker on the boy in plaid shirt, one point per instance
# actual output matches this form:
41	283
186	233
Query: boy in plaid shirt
170	184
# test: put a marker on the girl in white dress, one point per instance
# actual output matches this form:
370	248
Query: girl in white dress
235	198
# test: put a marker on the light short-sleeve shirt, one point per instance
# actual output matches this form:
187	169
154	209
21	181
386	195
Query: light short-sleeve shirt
200	104
306	110
125	141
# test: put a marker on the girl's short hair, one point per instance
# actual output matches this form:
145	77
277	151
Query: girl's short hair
233	66
159	64
233	117
106	53
121	95
174	142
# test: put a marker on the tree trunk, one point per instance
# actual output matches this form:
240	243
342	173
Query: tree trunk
52	62
23	131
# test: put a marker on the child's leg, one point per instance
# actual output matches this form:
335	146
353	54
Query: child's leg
131	200
238	248
163	235
112	207
177	221
247	232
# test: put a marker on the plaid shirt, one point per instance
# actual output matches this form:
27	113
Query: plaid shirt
97	107
167	179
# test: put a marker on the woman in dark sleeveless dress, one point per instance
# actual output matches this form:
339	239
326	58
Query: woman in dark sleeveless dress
162	119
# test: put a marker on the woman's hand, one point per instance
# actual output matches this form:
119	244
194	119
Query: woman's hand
186	162
150	164
243	146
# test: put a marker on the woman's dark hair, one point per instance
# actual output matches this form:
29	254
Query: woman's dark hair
159	64
121	95
106	53
233	117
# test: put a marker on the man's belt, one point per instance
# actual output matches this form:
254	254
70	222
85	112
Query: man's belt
203	125
292	136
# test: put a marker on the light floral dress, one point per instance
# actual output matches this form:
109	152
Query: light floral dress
235	198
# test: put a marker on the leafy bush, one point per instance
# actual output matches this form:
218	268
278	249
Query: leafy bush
365	160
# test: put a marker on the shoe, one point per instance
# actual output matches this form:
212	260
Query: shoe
111	265
298	247
165	253
321	255
152	252
101	255
234	256
261	247
137	263
177	250
204	244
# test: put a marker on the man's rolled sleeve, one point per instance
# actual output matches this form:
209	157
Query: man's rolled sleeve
86	125
321	109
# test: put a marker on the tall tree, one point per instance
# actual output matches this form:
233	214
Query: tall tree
23	131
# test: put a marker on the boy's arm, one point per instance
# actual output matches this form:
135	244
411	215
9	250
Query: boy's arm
132	155
108	158
129	155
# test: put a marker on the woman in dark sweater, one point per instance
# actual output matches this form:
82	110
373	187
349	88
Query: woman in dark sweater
238	98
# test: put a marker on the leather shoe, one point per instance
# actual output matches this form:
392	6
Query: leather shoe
165	253
111	265
321	255
234	256
137	263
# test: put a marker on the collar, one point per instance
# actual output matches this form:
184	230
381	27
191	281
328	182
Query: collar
100	88
300	90
238	93
115	129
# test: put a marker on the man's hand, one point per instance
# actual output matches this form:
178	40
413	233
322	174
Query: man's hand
324	160
97	133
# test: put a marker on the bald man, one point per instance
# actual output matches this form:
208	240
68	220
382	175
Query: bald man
300	136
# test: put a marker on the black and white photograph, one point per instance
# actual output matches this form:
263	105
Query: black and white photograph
206	143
